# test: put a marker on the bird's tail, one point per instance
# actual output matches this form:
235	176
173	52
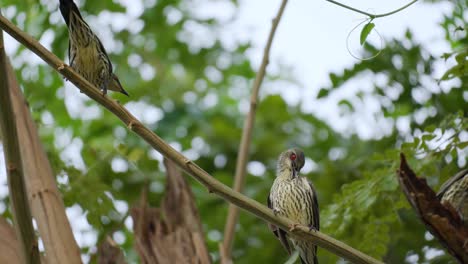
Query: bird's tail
66	7
307	252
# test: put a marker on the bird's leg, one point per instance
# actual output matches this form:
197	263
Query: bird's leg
72	59
104	90
312	228
292	227
104	86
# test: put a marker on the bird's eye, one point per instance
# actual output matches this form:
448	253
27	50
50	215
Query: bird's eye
293	156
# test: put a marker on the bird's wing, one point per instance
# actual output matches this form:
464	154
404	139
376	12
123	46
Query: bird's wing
315	208
449	182
105	56
71	54
279	233
315	221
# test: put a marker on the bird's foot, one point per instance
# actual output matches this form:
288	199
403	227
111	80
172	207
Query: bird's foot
276	211
312	228
292	227
60	68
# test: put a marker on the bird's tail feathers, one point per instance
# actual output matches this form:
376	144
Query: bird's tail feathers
67	6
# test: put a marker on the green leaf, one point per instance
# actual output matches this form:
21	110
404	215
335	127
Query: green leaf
366	30
462	145
323	93
346	103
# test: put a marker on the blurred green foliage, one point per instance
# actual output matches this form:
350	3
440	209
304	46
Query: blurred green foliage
188	86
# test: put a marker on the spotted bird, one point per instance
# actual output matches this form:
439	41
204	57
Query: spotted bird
294	197
86	53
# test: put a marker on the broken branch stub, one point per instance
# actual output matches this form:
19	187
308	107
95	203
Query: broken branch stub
441	220
172	233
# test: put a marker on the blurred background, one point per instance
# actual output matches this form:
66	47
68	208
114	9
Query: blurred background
189	68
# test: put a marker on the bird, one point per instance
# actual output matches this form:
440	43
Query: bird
86	53
294	197
455	192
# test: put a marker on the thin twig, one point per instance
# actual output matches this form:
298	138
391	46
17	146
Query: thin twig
243	154
15	173
210	182
372	16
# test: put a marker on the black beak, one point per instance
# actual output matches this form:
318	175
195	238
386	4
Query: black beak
295	171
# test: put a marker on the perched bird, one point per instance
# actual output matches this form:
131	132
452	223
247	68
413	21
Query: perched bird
294	197
455	192
86	52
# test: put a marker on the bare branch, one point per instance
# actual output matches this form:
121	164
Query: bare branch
173	232
16	181
243	153
372	16
110	253
213	185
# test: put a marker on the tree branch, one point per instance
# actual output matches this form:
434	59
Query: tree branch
173	232
18	193
372	16
213	185
442	221
10	247
243	154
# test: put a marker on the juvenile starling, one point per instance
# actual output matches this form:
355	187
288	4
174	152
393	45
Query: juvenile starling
86	52
294	197
455	192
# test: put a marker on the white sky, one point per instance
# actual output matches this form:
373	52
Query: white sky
312	37
312	34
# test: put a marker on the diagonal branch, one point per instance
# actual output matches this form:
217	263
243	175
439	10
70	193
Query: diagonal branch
15	172
213	185
243	154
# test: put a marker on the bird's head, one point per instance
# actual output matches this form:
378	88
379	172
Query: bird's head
114	85
291	162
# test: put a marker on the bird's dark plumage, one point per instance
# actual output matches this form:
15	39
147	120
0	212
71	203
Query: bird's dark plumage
294	197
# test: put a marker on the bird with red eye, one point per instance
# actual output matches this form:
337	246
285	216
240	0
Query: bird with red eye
293	156
294	197
297	161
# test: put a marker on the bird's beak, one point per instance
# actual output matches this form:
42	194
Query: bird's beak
295	171
115	85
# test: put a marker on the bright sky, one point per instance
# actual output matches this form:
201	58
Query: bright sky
313	36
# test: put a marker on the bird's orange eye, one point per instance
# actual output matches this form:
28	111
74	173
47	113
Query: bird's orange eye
293	156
